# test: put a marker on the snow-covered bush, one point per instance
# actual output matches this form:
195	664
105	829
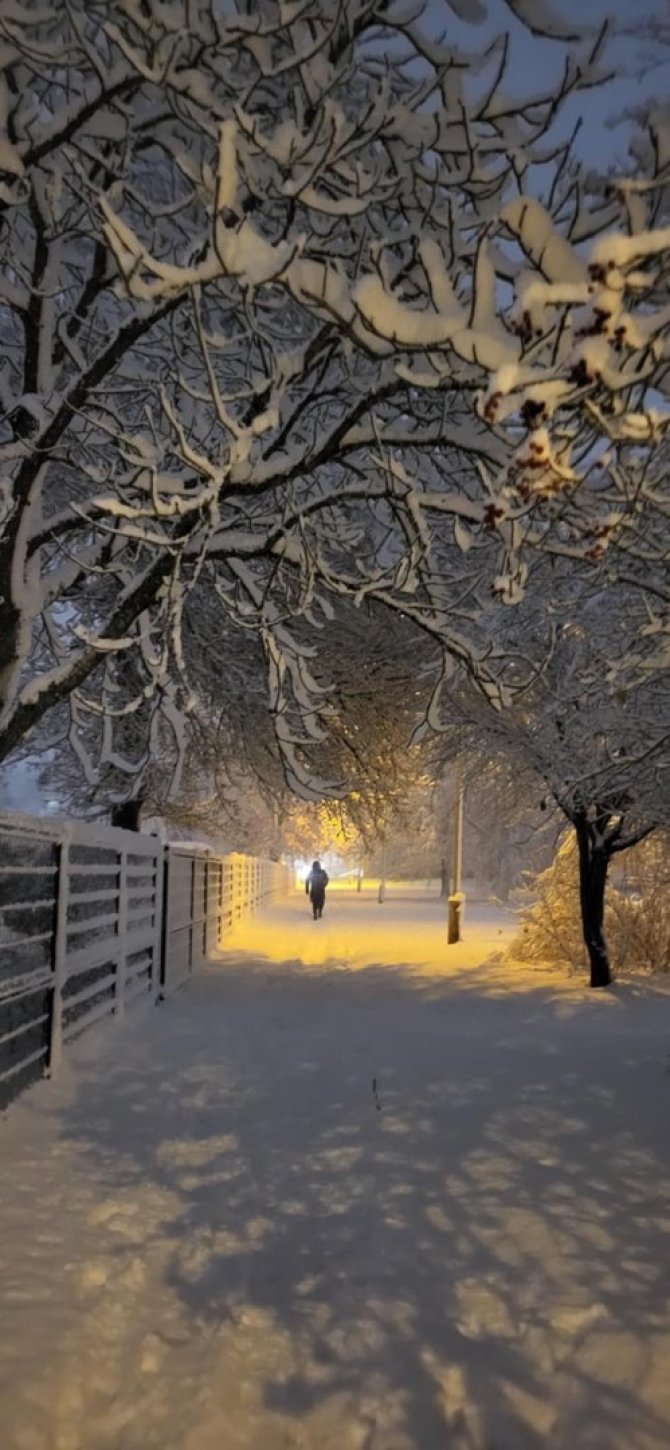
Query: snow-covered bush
637	912
550	929
638	915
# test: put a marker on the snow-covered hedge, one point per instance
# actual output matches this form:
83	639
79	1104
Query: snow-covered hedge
637	915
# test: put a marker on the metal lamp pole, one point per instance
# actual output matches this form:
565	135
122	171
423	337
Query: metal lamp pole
382	884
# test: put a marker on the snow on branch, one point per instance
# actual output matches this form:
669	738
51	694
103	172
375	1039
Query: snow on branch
259	348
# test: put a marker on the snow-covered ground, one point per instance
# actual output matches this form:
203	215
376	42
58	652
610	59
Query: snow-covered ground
348	1190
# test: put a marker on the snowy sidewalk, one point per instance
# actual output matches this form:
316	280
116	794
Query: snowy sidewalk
216	1233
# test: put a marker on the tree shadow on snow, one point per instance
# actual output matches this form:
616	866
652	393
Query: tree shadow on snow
446	1213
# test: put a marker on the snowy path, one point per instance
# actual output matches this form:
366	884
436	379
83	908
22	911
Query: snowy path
214	1234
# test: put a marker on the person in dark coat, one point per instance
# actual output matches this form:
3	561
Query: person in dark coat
315	888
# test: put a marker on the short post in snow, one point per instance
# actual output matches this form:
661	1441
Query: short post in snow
456	901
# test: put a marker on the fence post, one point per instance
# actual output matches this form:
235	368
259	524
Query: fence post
120	995
238	888
159	960
191	912
206	896
59	956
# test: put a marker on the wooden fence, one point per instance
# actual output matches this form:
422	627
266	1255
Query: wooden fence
205	896
95	919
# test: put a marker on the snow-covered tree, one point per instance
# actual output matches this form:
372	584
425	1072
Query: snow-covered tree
504	834
249	286
637	915
584	720
225	751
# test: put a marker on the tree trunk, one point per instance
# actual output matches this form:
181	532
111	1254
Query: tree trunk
593	864
127	815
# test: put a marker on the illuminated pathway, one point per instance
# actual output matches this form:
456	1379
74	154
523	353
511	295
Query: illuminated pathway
348	1190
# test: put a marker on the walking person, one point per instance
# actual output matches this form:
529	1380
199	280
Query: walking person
315	888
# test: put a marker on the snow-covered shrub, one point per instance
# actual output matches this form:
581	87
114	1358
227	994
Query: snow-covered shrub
638	916
550	925
637	912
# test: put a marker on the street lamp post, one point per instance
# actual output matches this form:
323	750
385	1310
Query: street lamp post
457	898
382	883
